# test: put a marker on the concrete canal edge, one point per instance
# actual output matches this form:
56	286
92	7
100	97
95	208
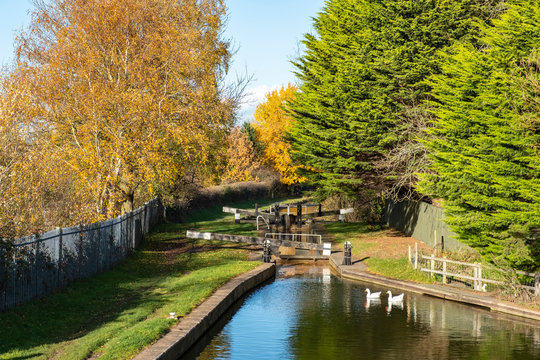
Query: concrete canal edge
190	328
352	272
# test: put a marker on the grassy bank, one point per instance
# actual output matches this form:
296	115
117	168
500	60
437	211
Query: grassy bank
384	251
116	314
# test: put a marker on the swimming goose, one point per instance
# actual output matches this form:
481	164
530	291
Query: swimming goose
374	295
394	298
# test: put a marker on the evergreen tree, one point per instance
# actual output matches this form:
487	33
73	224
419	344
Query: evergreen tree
486	138
363	79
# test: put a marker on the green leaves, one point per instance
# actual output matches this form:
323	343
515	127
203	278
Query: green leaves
484	148
360	105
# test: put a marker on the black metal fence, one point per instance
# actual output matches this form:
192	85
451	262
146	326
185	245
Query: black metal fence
33	266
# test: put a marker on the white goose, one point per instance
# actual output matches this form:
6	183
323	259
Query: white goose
374	295
394	298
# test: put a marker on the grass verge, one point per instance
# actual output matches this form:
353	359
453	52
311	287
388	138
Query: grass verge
382	250
114	315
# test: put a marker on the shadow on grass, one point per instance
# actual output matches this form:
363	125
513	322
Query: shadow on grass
363	259
168	270
126	295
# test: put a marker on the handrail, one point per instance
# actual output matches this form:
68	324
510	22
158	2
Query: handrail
477	277
266	235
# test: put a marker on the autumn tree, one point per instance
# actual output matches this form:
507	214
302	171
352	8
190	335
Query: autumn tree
242	161
272	123
126	94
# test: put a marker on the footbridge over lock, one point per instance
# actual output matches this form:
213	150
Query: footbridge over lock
319	250
286	214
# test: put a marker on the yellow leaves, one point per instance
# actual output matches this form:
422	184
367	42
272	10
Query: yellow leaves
271	123
241	162
119	97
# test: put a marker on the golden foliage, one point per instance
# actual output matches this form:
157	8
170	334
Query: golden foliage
120	96
271	122
241	158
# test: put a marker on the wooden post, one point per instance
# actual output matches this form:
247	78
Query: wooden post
536	284
475	276
442	243
432	265
479	277
410	254
415	256
299	215
256	210
444	271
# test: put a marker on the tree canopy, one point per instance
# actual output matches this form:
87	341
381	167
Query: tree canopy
271	123
485	140
121	96
362	86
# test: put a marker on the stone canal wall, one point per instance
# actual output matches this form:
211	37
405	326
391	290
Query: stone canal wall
190	328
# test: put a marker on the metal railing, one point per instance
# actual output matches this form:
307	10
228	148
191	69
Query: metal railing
295	237
33	266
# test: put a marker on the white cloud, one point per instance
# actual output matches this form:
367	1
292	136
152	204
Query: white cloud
254	96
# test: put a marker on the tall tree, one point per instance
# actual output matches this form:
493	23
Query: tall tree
271	123
126	93
486	138
242	159
360	104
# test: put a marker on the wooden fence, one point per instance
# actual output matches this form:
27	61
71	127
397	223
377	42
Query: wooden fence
33	266
474	274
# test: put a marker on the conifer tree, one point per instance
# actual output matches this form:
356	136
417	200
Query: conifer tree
362	80
486	138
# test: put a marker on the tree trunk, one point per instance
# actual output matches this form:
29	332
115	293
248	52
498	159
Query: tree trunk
127	205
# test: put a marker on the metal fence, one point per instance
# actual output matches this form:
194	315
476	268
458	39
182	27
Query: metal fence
34	266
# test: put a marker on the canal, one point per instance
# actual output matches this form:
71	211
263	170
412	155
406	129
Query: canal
308	313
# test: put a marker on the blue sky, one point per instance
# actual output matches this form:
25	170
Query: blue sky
267	34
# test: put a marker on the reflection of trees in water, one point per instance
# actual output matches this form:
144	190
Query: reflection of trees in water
219	348
334	323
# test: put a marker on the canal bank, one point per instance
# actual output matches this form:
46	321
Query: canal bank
358	271
190	328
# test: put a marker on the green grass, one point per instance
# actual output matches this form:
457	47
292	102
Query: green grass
349	231
399	269
215	212
359	235
117	313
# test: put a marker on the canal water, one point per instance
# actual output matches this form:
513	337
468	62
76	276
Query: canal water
308	313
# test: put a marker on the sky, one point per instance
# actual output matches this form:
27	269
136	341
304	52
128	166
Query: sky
266	34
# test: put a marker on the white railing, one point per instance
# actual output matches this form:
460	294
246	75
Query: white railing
295	237
474	272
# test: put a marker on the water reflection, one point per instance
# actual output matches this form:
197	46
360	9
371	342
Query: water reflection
309	314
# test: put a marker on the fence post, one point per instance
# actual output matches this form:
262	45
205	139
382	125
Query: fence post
35	269
480	277
444	270
60	255
475	276
415	256
536	284
432	265
410	255
80	250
